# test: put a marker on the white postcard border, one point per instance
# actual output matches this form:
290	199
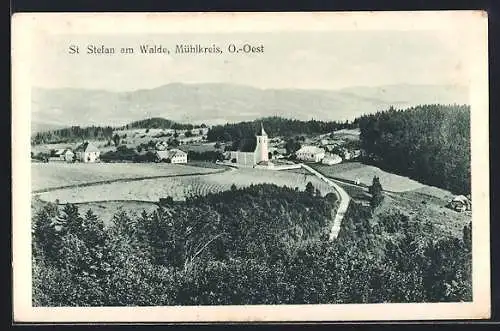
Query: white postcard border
28	26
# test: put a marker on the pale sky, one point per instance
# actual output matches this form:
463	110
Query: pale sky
306	60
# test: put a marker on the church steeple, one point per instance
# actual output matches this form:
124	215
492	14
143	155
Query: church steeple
261	150
262	132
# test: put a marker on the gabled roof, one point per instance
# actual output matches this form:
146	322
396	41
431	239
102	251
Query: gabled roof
310	150
170	153
86	147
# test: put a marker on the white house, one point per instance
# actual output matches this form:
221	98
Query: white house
60	153
67	155
172	156
192	139
161	145
277	153
310	154
87	152
199	131
460	203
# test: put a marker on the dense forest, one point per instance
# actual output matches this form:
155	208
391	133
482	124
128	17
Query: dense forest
72	134
258	245
241	134
430	143
78	134
159	123
274	126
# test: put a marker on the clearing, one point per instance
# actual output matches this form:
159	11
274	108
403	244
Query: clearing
136	195
60	174
179	187
352	171
422	203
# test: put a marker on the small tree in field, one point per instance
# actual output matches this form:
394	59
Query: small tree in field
116	140
377	192
310	188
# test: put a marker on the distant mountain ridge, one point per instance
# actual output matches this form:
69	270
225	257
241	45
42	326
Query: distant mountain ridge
218	103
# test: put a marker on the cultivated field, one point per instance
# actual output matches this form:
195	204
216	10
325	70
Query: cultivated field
352	134
60	174
180	187
353	171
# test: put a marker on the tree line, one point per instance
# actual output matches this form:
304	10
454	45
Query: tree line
72	134
160	123
274	126
430	143
79	134
258	245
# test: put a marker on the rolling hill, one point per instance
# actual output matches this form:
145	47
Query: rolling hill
217	103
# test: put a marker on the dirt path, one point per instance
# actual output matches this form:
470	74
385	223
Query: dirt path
342	195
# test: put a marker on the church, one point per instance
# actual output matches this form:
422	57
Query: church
259	157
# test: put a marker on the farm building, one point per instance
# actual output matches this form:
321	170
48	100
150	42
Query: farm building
276	152
310	154
161	145
188	140
460	203
172	156
67	155
259	155
331	159
87	152
59	153
350	154
199	131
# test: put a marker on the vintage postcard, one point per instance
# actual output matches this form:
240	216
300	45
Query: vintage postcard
202	167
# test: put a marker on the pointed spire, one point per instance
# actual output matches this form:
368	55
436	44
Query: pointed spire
262	132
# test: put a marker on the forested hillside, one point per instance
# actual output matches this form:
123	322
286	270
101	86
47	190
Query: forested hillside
258	245
430	143
274	126
72	134
78	134
159	123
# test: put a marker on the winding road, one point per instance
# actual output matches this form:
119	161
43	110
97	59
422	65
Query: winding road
342	195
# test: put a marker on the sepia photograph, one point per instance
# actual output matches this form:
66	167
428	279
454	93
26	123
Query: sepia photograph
250	167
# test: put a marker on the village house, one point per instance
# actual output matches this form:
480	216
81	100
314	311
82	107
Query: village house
172	156
60	153
67	155
199	131
188	140
277	153
87	152
310	154
460	203
161	145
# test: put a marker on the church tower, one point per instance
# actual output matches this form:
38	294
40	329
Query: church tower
261	150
